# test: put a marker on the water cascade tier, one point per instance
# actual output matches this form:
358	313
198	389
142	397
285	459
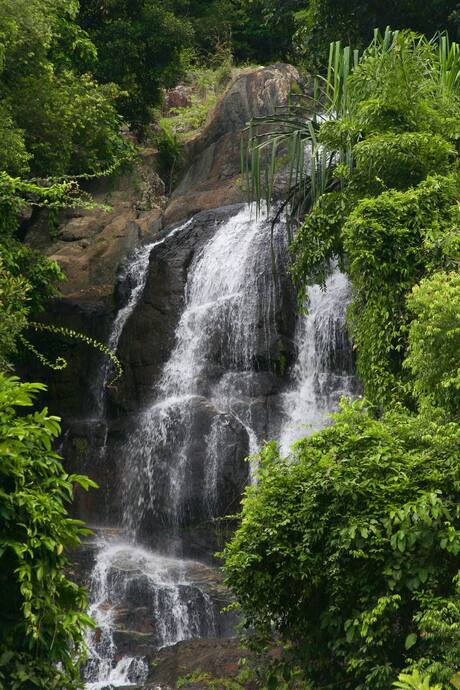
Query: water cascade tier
229	365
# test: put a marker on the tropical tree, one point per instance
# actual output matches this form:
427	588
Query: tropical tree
55	118
142	47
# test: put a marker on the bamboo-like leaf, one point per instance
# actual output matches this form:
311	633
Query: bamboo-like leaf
292	129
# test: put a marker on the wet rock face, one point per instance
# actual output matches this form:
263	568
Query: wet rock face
196	455
145	601
70	390
183	462
149	333
217	658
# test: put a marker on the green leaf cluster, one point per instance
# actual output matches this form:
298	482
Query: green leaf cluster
434	341
42	619
390	242
55	118
141	48
348	551
14	312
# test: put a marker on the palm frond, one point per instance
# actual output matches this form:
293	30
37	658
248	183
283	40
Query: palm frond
282	156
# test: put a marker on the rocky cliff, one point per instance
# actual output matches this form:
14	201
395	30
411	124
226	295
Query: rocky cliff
103	424
93	245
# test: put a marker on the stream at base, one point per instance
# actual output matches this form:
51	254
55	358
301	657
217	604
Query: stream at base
211	408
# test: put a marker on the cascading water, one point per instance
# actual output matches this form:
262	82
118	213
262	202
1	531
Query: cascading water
228	324
134	274
218	397
158	589
171	592
228	318
323	372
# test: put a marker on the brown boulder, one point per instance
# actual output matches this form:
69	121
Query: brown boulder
210	659
90	244
212	179
179	97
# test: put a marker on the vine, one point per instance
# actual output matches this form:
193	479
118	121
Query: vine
60	362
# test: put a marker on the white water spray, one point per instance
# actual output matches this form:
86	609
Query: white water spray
177	609
227	325
323	372
135	273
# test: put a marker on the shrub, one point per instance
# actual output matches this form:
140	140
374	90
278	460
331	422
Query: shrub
55	119
140	48
398	161
42	620
348	550
434	341
388	252
13	312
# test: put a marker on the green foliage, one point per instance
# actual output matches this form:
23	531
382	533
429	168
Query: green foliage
69	333
399	161
414	681
43	613
17	194
210	20
318	240
272	675
262	29
27	278
387	242
208	681
207	84
400	85
13	312
434	341
348	551
13	152
56	119
170	153
182	123
192	117
141	48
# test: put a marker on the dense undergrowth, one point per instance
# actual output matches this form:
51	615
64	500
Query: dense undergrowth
347	556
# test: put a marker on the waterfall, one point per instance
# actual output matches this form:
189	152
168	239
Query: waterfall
134	274
227	325
220	394
152	583
323	372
